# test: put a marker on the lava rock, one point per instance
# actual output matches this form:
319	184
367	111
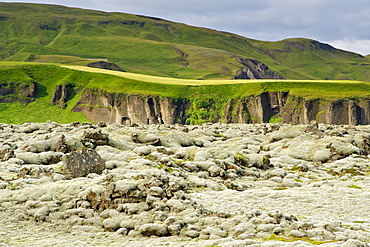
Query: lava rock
81	163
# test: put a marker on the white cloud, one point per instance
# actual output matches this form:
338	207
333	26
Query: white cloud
359	46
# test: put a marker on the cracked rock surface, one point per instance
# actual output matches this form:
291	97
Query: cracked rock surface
174	185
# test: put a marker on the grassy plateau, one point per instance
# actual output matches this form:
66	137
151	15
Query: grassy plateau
47	76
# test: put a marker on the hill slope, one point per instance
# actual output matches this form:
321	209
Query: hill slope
30	32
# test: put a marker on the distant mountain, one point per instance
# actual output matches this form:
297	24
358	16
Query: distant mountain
147	45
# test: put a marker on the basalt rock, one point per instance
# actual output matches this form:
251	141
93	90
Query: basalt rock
255	70
105	65
81	163
127	109
61	95
281	107
22	92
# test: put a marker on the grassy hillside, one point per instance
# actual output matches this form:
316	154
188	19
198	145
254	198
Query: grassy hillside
146	45
48	76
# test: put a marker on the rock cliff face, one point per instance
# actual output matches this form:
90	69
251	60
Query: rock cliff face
129	109
61	95
272	106
21	92
255	70
291	109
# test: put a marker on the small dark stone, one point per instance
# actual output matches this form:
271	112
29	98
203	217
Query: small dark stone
102	124
81	163
75	124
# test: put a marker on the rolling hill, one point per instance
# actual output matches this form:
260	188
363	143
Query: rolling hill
153	46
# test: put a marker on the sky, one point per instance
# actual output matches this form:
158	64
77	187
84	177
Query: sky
344	24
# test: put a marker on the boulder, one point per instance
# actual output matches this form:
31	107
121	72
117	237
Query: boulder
81	163
6	153
35	171
94	138
153	229
180	138
44	158
62	145
149	139
258	160
354	243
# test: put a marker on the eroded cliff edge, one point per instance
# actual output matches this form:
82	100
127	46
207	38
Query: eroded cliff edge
129	109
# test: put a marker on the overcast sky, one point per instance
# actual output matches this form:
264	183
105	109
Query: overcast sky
344	24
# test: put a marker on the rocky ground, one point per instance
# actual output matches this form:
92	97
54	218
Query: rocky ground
163	185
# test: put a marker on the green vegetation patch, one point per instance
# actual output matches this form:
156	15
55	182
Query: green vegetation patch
205	110
293	239
353	186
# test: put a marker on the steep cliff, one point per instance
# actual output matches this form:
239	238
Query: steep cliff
286	108
61	95
128	109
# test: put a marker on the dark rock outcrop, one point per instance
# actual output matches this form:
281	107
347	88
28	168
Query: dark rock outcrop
105	65
81	163
61	95
94	138
255	70
21	92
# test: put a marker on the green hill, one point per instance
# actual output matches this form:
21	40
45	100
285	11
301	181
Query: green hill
140	44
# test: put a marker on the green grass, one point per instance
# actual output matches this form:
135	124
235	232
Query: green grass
353	186
275	120
38	111
158	47
234	88
292	239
